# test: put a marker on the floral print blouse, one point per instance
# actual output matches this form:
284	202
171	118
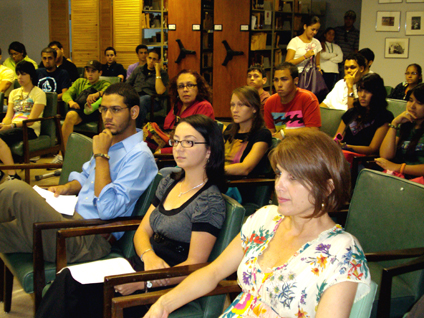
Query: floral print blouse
294	289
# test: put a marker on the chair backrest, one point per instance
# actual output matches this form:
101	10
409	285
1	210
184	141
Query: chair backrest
125	243
386	213
16	84
2	109
78	151
81	71
389	90
212	306
330	120
110	79
48	127
396	106
362	308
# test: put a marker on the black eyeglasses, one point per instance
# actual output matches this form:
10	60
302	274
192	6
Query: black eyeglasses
113	109
412	73
185	143
189	86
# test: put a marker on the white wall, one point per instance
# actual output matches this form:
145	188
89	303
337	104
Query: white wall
392	70
26	21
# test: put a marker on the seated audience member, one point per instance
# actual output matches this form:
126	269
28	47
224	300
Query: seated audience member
108	186
291	108
150	79
6	80
83	91
17	52
413	77
190	95
331	56
247	140
142	52
180	227
292	260
369	59
256	78
364	126
344	92
111	68
301	48
404	142
25	102
62	62
50	78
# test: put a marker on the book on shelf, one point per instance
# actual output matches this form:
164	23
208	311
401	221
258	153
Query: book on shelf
258	41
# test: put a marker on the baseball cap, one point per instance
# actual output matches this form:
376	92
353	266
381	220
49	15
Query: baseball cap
94	64
350	14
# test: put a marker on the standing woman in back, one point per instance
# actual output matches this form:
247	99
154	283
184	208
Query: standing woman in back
301	48
331	56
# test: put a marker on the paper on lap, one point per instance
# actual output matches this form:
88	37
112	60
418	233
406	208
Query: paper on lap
64	204
95	272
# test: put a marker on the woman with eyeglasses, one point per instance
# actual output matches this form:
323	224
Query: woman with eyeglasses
17	52
26	102
180	227
190	95
413	77
247	140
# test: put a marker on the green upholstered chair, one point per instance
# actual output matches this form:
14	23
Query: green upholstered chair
396	106
386	215
81	71
110	79
89	129
3	106
159	116
16	84
330	120
49	140
389	90
205	306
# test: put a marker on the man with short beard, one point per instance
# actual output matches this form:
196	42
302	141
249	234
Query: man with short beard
50	78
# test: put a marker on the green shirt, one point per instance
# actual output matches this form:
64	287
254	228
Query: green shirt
81	84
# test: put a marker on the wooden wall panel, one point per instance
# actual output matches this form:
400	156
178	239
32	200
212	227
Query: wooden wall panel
184	13
126	30
105	29
85	31
231	14
59	23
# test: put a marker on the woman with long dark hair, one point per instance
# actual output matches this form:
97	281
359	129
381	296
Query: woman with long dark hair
180	227
413	77
364	126
247	140
402	149
331	56
26	102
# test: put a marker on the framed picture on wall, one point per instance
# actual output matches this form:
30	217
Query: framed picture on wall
388	21
396	48
389	1
414	23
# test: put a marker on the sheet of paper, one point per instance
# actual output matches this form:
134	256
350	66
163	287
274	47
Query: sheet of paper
64	204
95	272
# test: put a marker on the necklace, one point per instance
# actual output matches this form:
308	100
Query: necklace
182	193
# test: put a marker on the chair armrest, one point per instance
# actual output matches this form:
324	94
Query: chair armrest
26	121
18	166
395	254
248	182
108	226
383	309
119	303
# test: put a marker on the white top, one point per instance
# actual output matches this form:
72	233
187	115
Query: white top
337	98
331	57
300	48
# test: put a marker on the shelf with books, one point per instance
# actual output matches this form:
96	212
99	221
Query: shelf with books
154	24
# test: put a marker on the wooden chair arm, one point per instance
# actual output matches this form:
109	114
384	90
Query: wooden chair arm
383	309
250	182
119	303
18	166
395	254
123	224
27	121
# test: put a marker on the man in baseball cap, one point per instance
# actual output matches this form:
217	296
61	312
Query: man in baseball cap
83	91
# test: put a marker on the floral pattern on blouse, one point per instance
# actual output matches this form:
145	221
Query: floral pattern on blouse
294	289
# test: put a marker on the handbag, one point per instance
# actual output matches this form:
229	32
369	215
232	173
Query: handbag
154	136
81	99
312	80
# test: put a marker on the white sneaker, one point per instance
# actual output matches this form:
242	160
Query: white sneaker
34	159
57	159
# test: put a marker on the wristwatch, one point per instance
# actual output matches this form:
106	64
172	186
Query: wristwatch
350	95
103	155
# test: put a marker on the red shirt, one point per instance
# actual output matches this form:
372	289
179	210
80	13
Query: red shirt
203	107
302	111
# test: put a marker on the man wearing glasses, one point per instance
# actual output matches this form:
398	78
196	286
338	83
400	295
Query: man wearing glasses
149	79
108	187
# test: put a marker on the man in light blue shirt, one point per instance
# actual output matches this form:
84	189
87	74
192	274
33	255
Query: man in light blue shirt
109	186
